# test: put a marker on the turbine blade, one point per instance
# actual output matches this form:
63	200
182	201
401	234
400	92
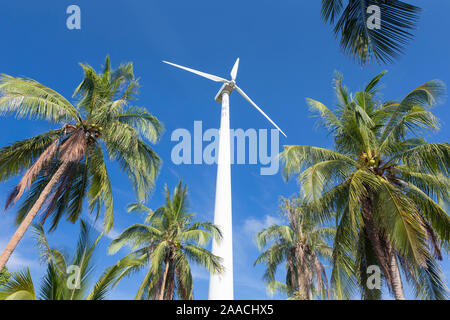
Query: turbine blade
202	74
235	70
259	109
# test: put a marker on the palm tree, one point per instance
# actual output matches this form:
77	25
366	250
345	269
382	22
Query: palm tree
303	245
365	44
167	242
63	166
60	281
384	181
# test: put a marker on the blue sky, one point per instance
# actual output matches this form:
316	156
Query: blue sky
287	54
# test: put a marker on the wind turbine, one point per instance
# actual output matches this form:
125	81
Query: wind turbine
221	286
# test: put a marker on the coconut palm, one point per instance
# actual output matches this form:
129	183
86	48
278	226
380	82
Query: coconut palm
61	282
363	43
65	165
302	244
384	181
167	242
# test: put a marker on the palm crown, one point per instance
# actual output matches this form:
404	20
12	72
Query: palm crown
59	281
384	181
103	117
303	245
167	241
65	165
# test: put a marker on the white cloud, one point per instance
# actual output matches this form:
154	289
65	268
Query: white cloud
253	225
98	226
19	261
199	273
125	193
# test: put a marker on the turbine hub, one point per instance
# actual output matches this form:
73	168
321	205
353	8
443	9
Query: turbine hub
226	87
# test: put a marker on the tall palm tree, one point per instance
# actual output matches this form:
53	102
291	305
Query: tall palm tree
366	44
61	282
167	242
384	181
63	166
302	244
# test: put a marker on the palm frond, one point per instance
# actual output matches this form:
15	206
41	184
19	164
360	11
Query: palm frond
22	154
365	44
27	98
19	287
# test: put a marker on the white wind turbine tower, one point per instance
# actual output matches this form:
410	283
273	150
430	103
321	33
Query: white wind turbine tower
221	286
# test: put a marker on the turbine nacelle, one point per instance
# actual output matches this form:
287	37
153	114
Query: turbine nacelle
226	87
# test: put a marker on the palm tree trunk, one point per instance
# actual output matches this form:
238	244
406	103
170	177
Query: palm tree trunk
397	286
302	276
379	244
170	289
384	252
293	279
6	254
309	280
164	279
170	286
